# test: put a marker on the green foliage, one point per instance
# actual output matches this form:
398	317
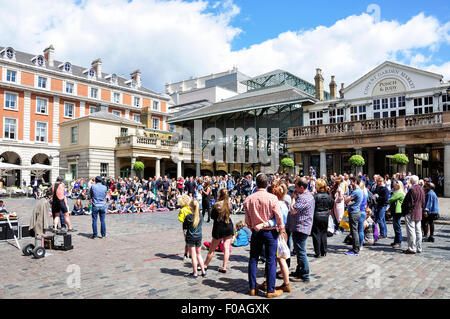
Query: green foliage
287	162
357	161
138	166
400	159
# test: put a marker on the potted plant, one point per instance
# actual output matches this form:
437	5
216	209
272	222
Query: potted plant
138	167
357	161
401	160
287	163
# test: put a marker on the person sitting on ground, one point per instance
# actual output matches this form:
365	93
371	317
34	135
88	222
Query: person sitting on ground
112	209
87	209
137	207
241	237
3	207
78	208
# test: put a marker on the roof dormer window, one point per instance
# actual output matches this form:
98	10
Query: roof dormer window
111	78
10	53
66	67
38	60
92	73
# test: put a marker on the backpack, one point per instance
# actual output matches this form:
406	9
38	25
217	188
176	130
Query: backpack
376	234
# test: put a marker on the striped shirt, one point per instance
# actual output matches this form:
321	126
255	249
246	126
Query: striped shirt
261	207
302	220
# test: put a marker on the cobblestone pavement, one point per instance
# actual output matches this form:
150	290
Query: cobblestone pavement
138	259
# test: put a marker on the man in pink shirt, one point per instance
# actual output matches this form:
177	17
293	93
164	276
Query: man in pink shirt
260	208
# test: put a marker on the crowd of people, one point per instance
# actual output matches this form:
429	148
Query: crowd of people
294	208
281	212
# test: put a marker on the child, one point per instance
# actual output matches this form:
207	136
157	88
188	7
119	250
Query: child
369	229
137	207
183	202
241	235
193	225
87	209
78	208
112	209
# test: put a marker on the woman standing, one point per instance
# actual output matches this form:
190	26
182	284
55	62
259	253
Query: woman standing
339	205
323	204
222	229
362	209
205	192
193	225
396	201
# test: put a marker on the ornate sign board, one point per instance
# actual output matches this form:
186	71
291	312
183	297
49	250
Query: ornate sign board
389	80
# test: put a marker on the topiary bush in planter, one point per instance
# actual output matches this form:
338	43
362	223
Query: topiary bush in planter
357	161
400	159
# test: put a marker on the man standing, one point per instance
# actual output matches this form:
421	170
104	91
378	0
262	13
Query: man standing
299	224
354	213
260	208
382	199
98	199
412	207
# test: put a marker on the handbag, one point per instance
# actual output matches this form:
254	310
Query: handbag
283	249
330	229
345	221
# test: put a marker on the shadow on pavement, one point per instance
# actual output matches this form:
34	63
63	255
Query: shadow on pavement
228	284
172	256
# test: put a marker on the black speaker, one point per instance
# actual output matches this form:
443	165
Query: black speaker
62	241
24	231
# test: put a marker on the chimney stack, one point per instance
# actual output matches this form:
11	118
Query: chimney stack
97	66
333	88
319	85
341	91
49	55
136	76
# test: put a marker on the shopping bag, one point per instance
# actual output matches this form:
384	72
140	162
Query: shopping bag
344	222
330	230
283	249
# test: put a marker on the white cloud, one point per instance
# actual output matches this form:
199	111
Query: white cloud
172	40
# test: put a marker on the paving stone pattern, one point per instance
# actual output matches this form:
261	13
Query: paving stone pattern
140	259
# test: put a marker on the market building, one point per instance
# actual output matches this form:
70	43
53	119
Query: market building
392	109
38	93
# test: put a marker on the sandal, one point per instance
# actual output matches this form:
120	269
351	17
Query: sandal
223	271
192	276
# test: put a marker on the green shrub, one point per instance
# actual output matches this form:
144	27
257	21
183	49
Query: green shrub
357	160
400	159
138	166
287	162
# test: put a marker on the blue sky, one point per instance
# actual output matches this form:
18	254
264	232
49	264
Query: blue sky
262	19
172	40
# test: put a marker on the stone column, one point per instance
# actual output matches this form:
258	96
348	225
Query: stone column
158	167
402	149
132	172
323	163
447	169
198	169
179	168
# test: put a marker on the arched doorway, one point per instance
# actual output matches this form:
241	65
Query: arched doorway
41	158
14	177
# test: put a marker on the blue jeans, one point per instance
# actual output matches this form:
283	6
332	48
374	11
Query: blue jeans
95	212
380	216
299	241
268	238
361	228
396	222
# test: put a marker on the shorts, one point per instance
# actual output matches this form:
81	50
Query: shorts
59	206
193	243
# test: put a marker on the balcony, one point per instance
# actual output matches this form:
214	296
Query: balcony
424	128
142	143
